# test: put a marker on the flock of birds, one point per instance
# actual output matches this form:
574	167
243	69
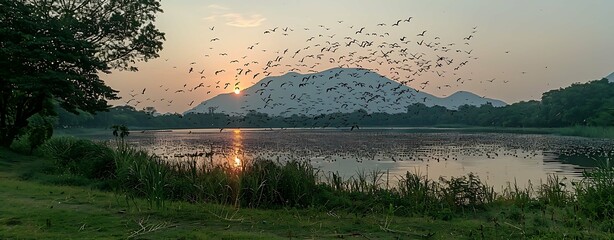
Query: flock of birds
399	51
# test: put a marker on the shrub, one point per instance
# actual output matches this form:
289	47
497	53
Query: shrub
80	157
466	192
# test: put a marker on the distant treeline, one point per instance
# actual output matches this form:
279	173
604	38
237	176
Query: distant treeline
590	104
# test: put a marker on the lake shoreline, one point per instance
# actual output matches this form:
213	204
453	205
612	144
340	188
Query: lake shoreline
578	131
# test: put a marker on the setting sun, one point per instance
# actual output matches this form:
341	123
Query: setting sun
237	90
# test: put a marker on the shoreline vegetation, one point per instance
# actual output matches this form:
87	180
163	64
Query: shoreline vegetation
577	131
72	187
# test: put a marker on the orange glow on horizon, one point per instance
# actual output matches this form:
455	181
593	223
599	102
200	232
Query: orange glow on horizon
237	90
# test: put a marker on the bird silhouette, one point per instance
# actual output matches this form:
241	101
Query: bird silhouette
360	31
266	84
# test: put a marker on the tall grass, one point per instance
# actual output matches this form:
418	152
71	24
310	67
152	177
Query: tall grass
141	174
588	131
417	192
521	197
554	191
80	157
264	183
595	193
267	183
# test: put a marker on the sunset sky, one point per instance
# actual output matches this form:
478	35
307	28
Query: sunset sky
518	49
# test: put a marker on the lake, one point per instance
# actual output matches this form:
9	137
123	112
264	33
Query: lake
497	158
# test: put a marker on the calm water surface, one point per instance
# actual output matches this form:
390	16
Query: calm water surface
497	158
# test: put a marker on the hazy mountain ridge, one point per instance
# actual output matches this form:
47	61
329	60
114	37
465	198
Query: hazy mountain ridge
610	77
334	90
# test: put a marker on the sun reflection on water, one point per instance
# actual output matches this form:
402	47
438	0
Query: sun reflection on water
237	142
237	162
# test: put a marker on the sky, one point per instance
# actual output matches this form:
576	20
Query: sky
517	49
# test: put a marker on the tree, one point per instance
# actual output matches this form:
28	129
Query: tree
120	132
150	110
55	51
579	104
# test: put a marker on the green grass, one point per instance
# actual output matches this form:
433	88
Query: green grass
585	131
580	131
40	202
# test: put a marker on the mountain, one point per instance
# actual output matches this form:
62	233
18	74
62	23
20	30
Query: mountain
610	77
334	90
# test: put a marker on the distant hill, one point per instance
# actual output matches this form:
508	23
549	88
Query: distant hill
610	77
334	90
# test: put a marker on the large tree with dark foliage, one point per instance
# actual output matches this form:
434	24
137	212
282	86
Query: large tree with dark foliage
580	104
56	51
